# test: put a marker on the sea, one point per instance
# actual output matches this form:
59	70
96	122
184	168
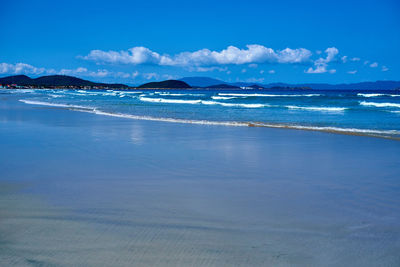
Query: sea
178	178
374	113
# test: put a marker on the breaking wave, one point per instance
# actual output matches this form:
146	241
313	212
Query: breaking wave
326	109
380	105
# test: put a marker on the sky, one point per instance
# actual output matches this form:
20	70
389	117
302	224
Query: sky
134	42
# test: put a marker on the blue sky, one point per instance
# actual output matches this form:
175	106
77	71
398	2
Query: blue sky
261	41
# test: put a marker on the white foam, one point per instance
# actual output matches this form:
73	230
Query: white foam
369	95
172	101
375	95
380	105
332	129
269	95
41	103
149	118
325	109
177	94
233	104
129	92
198	101
22	90
55	96
223	97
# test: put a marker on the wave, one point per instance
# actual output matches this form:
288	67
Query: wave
22	90
373	132
233	104
41	103
223	97
375	95
369	132
326	109
55	96
370	95
176	94
269	95
380	105
172	101
198	101
163	119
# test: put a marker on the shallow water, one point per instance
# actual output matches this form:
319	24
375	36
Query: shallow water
371	112
84	189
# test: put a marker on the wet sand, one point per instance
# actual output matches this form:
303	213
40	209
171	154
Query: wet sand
83	189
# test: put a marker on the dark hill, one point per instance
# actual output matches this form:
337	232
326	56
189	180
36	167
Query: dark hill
17	79
54	80
168	84
200	81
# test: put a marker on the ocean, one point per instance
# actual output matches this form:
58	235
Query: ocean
82	189
375	113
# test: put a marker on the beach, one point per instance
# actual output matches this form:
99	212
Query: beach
79	188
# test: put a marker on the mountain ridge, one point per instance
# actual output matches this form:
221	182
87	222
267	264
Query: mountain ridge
60	81
55	81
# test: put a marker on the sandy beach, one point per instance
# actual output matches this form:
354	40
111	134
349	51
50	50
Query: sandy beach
80	189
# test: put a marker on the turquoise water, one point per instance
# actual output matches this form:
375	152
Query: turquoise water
371	113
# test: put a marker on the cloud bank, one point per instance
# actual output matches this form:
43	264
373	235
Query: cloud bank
20	68
232	55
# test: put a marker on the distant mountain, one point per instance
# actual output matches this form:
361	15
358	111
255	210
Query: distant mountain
378	85
222	86
54	81
201	81
166	84
192	82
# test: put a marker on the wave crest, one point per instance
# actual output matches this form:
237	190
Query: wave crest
380	105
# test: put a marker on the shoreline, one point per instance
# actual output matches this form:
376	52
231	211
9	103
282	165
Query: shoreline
385	134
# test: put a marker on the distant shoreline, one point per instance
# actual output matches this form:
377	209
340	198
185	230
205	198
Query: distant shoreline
70	82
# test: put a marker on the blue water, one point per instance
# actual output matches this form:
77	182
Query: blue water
371	112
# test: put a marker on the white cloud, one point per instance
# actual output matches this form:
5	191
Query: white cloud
253	66
271	71
255	80
135	55
207	69
134	74
321	64
384	68
149	76
244	70
344	59
170	77
23	68
352	72
355	59
20	68
101	73
374	65
252	54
